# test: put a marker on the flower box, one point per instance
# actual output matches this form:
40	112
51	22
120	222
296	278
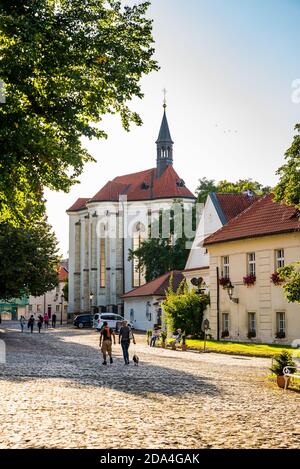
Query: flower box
276	279
249	280
224	281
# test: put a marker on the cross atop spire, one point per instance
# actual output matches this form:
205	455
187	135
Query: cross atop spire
164	143
165	98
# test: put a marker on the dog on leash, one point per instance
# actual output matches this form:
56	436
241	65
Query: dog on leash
135	359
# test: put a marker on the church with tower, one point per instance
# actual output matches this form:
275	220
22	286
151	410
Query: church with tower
103	228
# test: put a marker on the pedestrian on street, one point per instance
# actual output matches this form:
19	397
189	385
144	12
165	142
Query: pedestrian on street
30	323
125	336
40	323
105	343
46	320
54	320
22	323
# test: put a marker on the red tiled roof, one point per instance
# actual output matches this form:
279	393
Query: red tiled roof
139	186
143	186
262	218
157	286
232	204
62	274
80	204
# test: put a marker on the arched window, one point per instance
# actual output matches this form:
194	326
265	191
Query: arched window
138	274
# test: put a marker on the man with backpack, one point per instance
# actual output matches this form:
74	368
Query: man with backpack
105	344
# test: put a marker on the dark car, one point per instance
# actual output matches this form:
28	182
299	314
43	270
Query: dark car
83	320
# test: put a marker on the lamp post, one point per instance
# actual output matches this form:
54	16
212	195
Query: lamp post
230	289
91	300
62	307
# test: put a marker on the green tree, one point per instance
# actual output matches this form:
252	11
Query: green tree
288	188
29	260
66	290
65	64
184	309
290	275
209	185
204	188
158	255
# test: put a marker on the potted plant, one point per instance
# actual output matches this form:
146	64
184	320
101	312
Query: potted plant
163	336
249	280
280	361
149	335
280	335
275	278
224	281
251	334
183	342
225	334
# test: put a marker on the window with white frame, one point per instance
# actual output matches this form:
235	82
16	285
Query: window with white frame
251	263
252	322
225	266
279	258
57	308
280	319
225	322
30	308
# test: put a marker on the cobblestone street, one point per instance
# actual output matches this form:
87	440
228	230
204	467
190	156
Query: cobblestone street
56	394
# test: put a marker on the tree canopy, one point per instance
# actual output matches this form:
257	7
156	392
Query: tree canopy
290	275
288	188
184	309
210	185
64	64
29	260
158	255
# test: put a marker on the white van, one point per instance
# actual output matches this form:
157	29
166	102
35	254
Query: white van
113	320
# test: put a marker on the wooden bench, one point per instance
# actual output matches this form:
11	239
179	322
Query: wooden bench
287	373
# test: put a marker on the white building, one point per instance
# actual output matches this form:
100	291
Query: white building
52	301
218	210
103	228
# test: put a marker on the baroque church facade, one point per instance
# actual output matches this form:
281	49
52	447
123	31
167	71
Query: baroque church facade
103	229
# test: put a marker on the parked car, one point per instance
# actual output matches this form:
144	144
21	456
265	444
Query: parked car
113	320
83	320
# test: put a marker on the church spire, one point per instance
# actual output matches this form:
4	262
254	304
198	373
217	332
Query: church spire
164	144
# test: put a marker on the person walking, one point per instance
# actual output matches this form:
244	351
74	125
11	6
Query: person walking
46	320
105	343
125	335
40	323
54	320
30	323
22	323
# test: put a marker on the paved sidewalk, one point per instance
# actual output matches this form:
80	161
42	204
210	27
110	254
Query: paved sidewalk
55	393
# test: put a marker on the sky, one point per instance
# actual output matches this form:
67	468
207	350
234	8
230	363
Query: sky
229	68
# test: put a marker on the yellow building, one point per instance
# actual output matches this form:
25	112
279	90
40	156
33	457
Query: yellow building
244	254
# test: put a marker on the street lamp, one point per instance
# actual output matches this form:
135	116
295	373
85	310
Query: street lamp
198	282
62	307
91	299
230	289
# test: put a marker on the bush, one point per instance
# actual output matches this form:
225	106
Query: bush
184	309
225	334
281	360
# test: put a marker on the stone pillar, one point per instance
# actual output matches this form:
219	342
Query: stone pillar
77	267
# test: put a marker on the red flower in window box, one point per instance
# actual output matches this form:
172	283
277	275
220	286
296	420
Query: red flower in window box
224	281
276	279
249	280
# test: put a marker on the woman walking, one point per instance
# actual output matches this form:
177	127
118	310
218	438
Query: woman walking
22	323
46	320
